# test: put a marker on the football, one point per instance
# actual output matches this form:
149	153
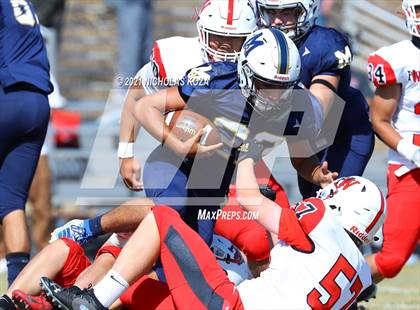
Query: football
184	124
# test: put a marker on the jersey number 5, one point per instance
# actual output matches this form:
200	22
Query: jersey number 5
330	286
23	13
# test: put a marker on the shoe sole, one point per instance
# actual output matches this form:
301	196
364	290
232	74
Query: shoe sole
21	304
50	296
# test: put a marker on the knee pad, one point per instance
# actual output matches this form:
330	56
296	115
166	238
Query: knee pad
110	249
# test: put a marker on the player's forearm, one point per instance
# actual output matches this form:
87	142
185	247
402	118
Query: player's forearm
251	199
129	126
152	119
386	132
384	106
247	189
307	168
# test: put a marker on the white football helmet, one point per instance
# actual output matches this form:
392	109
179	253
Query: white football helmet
359	205
411	18
231	18
309	12
230	259
269	69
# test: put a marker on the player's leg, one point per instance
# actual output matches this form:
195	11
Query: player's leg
62	260
48	262
16	240
138	295
23	127
40	196
125	217
165	179
104	260
193	274
402	225
162	180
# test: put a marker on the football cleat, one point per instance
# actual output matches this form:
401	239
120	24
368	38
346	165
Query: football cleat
24	301
70	298
76	230
368	293
6	303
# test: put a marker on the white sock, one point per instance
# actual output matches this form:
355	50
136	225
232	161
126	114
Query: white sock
110	288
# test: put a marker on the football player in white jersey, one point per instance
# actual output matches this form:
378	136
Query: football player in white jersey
395	110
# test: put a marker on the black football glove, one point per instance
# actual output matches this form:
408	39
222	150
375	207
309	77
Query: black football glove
250	149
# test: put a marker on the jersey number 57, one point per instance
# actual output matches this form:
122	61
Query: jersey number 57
330	285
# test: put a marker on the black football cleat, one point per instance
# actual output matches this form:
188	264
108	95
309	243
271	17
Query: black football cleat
72	298
6	303
368	293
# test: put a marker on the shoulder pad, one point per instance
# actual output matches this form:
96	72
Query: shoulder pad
386	66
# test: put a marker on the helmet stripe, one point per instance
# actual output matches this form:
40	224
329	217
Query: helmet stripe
230	12
283	65
377	216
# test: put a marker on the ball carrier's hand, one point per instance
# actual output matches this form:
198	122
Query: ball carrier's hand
193	147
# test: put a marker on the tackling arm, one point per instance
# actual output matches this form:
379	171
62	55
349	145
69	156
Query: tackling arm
383	107
313	171
251	199
149	111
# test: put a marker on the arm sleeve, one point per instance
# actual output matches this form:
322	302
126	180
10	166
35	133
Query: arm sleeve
296	224
291	232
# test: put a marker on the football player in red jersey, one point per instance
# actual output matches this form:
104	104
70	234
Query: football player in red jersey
395	110
328	229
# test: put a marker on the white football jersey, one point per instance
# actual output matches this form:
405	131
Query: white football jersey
400	64
170	60
315	265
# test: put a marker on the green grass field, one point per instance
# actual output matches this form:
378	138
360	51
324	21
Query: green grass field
403	292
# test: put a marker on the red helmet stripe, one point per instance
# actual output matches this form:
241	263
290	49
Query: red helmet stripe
230	12
158	59
205	4
378	215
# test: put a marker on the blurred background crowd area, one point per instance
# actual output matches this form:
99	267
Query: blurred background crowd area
92	33
91	42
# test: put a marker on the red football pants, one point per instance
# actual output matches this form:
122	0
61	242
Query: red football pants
194	278
402	222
